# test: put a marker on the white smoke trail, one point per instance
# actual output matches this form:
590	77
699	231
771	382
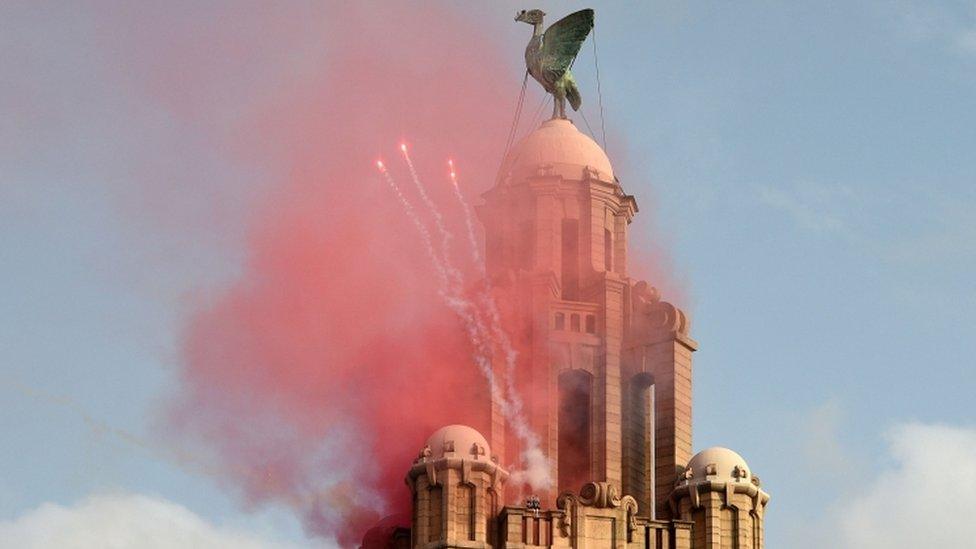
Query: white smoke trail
468	221
415	219
536	472
450	277
445	234
482	336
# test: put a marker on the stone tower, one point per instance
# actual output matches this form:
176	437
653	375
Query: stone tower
455	484
596	347
723	500
604	369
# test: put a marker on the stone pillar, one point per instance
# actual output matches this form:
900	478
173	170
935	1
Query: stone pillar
659	346
669	361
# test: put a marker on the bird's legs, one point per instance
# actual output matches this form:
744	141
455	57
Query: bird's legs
558	105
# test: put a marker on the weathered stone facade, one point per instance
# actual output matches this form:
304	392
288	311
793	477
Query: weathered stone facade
605	369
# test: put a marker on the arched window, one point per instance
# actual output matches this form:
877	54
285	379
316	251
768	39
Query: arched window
570	259
639	475
575	404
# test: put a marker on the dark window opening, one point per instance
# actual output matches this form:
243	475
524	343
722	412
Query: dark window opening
607	250
640	477
590	324
574	323
560	321
570	259
575	390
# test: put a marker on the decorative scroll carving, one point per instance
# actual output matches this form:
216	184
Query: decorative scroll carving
656	314
630	506
567	503
601	495
644	294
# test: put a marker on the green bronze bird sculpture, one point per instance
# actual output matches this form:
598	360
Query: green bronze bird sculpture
550	54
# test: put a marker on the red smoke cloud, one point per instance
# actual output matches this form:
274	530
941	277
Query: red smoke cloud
315	376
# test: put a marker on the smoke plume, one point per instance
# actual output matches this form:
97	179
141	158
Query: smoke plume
316	375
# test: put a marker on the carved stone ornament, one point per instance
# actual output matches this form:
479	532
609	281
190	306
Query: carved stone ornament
665	316
477	450
589	172
601	495
566	503
630	506
739	473
659	315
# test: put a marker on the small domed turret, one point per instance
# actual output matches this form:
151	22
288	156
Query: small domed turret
718	484
719	464
457	486
458	441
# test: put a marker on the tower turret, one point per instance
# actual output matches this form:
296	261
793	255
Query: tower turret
594	344
723	499
455	483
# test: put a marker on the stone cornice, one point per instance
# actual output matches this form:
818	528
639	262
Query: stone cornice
695	489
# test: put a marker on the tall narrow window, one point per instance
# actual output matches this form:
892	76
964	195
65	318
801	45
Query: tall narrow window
434	518
570	253
575	392
526	245
639	473
607	250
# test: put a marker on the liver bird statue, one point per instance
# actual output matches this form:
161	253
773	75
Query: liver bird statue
550	54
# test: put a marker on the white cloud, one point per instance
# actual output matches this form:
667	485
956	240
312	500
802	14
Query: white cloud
122	521
813	206
821	445
924	497
953	24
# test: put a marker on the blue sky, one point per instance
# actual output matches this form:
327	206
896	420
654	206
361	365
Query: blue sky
809	170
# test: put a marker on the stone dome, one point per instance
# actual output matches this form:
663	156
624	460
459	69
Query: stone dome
717	464
458	441
559	144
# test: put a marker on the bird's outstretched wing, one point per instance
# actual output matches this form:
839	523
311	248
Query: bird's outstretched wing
561	42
